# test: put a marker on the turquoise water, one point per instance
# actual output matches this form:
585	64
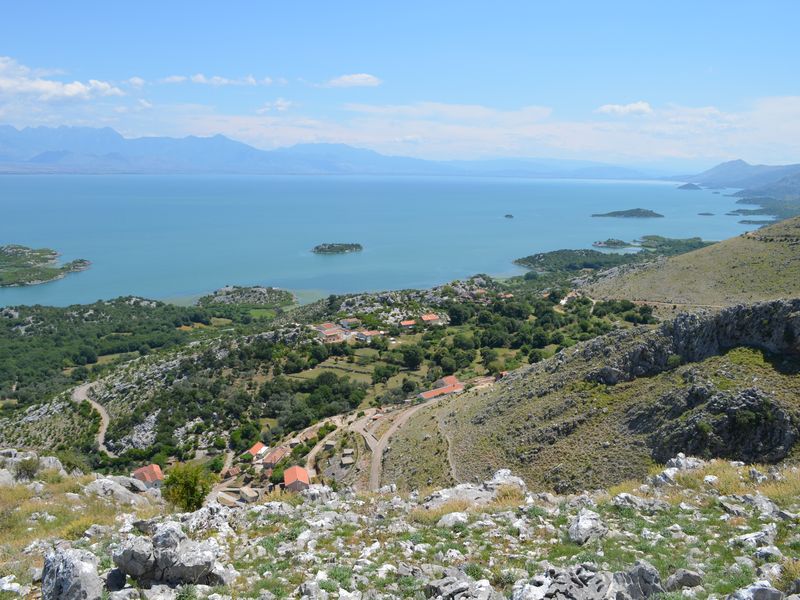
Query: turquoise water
178	236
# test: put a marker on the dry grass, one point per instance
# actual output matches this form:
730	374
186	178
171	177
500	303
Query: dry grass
22	520
425	516
790	572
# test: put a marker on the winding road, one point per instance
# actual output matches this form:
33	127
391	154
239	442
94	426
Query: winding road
81	393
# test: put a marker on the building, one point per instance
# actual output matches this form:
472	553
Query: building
232	472
329	444
347	461
295	479
333	336
350	322
258	450
248	495
444	386
150	475
276	456
431	319
347	452
408	323
367	336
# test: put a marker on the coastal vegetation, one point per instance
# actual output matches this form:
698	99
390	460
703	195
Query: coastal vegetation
633	213
21	265
754	266
337	248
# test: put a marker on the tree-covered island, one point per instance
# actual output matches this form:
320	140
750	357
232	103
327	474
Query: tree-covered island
337	248
20	265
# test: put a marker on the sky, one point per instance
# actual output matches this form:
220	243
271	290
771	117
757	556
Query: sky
640	83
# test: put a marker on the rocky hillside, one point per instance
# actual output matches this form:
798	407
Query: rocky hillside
700	529
760	265
715	384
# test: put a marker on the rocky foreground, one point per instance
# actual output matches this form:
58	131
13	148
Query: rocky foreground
696	529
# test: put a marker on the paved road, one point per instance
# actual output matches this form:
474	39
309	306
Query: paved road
379	446
312	455
81	393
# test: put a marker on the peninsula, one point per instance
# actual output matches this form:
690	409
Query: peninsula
20	265
337	248
633	213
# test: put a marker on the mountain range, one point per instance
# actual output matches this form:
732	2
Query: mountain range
94	150
104	150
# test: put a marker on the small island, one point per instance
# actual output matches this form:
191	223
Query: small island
259	296
633	213
509	216
337	248
706	214
612	243
20	265
689	186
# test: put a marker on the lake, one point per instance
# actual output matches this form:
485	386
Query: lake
170	237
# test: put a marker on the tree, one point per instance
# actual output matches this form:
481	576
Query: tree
187	485
412	357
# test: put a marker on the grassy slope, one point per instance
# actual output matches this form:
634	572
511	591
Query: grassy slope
579	436
762	265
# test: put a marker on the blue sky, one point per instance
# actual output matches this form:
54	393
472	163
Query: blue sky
628	82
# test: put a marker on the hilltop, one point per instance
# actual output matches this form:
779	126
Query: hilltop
696	528
758	265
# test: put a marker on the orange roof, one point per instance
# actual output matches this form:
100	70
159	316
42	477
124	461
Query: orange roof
257	447
430	317
276	455
447	389
407	323
334	331
149	474
328	326
295	473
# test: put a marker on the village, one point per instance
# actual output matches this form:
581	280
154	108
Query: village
344	448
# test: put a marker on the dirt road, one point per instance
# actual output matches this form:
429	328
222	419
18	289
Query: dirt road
81	393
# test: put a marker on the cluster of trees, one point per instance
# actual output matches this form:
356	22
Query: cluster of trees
39	343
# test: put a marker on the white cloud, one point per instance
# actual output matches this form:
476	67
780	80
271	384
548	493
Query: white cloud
19	80
634	108
279	105
354	80
217	80
136	82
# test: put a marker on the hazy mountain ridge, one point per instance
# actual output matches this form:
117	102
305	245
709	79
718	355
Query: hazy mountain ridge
91	150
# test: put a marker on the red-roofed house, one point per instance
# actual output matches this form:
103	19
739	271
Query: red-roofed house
446	385
276	456
258	450
295	479
367	336
333	335
150	476
431	319
408	323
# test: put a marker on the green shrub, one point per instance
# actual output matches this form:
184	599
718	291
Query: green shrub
186	486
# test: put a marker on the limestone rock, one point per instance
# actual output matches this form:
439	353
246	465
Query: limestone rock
71	574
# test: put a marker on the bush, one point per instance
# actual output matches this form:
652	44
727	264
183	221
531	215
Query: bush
27	469
186	486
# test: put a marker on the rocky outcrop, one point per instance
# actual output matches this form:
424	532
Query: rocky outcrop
170	557
587	526
586	582
476	494
71	574
772	326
